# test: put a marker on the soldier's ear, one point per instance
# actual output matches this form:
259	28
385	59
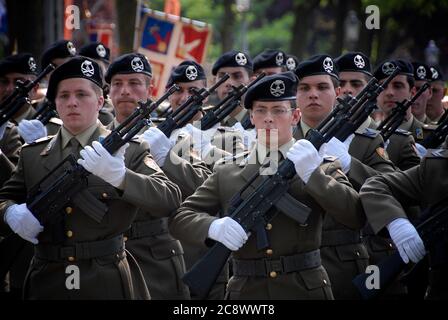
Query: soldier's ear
338	91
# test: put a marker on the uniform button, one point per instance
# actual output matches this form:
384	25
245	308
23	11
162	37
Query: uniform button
357	253
173	251
69	233
69	210
325	282
273	274
104	195
390	245
268	226
269	252
71	259
125	238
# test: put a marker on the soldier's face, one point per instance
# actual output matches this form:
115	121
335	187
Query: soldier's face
77	104
352	83
186	89
274	121
8	83
238	76
268	71
316	96
419	107
438	92
126	90
397	91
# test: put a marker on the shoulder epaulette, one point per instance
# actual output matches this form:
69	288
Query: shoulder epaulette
437	153
369	133
38	141
402	132
56	121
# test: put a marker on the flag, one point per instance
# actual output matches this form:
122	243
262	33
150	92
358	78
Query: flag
167	40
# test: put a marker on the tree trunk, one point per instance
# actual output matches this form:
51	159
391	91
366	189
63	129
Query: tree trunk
302	12
227	26
126	23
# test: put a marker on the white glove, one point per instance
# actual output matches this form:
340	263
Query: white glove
22	222
421	150
201	139
97	160
249	136
305	158
159	144
2	130
229	232
407	240
31	130
340	150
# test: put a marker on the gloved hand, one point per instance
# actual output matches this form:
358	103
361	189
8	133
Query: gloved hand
2	130
407	240
421	150
340	150
31	130
22	222
249	136
201	139
228	232
97	160
159	144
305	158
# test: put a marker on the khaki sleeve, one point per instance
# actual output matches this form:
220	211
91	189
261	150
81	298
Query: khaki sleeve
333	192
147	187
197	212
381	196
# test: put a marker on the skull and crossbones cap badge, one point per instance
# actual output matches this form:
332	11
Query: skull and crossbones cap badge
276	87
77	67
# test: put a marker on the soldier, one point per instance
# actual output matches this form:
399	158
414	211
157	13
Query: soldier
240	68
434	109
123	182
290	268
384	199
58	53
270	61
400	88
422	75
101	54
362	156
159	255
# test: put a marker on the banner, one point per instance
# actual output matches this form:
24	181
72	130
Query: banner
167	40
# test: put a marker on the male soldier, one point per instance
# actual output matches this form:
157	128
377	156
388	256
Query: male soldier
362	156
290	268
122	182
434	109
384	198
101	54
240	68
57	53
214	143
157	252
422	75
400	88
270	61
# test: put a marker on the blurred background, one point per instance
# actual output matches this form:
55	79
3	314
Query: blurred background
413	29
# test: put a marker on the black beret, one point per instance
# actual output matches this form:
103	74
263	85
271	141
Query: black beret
129	63
96	50
421	71
59	49
187	71
316	65
387	67
269	58
291	62
436	73
233	59
354	61
77	67
280	86
21	63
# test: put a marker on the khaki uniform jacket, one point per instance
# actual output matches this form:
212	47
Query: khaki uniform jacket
145	186
160	256
401	150
327	191
10	145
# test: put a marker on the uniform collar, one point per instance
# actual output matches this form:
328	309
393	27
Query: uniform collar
83	138
305	127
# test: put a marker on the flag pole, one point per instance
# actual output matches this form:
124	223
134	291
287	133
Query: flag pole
137	24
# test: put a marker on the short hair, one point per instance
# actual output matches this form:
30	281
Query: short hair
98	90
335	82
411	81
